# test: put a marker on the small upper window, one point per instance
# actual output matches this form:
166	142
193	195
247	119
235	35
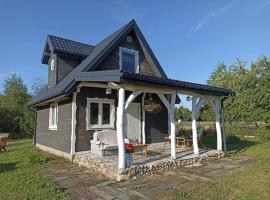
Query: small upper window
53	116
129	60
100	113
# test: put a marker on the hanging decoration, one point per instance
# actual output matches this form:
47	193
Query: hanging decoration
151	105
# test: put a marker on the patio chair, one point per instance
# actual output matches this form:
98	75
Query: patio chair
104	140
189	141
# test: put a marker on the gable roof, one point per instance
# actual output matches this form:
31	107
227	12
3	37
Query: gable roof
99	51
65	46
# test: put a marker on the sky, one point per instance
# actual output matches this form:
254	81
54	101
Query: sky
189	38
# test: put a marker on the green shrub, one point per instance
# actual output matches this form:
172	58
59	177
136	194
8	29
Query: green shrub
264	135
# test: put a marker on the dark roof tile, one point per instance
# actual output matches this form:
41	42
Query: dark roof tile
71	47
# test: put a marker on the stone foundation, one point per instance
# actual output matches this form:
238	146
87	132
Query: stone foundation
110	169
97	164
167	165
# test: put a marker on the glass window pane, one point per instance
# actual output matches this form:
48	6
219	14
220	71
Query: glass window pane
128	62
53	115
106	113
93	113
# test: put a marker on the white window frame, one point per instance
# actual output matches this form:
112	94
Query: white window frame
136	53
51	125
100	103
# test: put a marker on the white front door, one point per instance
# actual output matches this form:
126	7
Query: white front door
133	122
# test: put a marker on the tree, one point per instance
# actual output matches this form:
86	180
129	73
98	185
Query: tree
251	85
37	85
15	115
182	113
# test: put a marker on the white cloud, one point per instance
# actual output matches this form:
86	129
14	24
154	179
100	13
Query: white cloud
266	3
213	14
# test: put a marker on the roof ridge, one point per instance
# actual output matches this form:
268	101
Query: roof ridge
70	40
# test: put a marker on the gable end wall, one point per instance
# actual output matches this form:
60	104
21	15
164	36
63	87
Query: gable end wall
111	62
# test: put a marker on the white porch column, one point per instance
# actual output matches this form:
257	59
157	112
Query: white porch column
173	139
143	120
216	106
218	128
73	123
194	126
120	129
223	129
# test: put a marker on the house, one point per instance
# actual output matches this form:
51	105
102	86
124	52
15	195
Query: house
106	86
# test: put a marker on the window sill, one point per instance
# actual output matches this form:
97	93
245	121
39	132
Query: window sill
53	128
99	128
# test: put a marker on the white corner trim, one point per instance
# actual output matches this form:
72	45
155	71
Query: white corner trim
136	53
73	124
54	151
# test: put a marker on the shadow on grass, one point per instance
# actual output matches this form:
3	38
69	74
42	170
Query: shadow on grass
235	144
5	167
240	147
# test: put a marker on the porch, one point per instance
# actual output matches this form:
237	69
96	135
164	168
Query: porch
158	160
140	89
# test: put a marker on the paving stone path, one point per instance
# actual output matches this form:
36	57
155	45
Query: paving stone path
81	183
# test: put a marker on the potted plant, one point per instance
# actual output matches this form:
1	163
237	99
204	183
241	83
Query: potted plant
129	149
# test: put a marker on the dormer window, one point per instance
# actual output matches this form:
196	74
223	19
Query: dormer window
129	60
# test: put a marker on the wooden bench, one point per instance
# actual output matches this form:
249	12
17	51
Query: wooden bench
140	146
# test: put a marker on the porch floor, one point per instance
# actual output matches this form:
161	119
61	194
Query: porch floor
156	153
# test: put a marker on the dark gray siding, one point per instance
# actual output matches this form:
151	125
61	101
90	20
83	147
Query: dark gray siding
156	124
111	62
52	74
83	136
59	139
65	65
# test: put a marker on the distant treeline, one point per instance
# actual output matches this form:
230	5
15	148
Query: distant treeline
251	85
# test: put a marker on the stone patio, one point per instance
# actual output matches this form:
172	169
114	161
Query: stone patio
158	160
82	183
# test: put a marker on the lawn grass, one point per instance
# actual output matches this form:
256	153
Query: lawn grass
250	182
19	173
